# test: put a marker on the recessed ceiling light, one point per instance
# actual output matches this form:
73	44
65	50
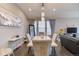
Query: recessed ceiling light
30	9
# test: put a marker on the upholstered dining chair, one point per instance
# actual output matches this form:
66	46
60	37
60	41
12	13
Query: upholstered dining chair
53	44
30	44
54	38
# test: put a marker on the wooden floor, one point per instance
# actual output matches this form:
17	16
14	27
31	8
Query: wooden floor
61	51
23	51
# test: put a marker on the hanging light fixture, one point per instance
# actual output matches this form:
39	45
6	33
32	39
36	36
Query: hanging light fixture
42	18
54	12
42	13
42	8
30	9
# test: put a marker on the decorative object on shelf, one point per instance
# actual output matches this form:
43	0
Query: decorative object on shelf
7	18
61	31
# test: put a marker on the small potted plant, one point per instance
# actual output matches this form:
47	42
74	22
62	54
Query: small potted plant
61	31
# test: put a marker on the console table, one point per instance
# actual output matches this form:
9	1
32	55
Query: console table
15	42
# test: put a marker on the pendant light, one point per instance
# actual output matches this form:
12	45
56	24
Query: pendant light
42	13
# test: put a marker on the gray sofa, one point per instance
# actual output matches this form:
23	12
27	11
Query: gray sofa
70	43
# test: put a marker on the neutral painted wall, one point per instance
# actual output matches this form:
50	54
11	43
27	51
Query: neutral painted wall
66	22
7	32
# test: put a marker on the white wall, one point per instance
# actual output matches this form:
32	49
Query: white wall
66	22
7	32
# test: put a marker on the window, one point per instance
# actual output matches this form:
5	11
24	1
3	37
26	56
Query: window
42	27
48	28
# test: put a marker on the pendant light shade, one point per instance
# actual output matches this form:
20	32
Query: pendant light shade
42	13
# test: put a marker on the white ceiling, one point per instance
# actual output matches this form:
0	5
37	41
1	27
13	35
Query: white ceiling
63	10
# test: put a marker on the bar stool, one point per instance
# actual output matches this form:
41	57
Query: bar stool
6	52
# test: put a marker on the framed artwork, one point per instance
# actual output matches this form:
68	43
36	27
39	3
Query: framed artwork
7	18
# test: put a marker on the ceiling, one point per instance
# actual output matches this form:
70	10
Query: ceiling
63	10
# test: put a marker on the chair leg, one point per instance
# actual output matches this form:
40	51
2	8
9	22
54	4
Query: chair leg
53	51
29	50
13	54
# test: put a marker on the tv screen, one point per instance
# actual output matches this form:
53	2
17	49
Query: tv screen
72	30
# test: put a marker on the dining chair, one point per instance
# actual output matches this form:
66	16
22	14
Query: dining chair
54	44
30	41
41	33
30	44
